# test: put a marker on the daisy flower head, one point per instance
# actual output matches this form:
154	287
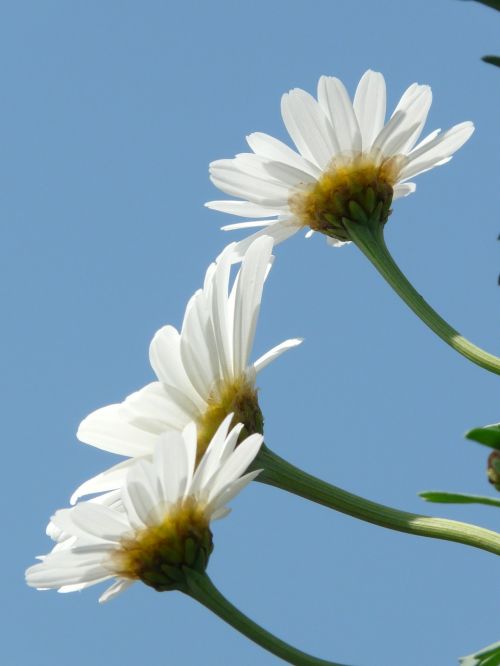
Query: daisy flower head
204	372
163	525
348	163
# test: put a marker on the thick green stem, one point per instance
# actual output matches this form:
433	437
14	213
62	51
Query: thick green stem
371	242
201	588
281	474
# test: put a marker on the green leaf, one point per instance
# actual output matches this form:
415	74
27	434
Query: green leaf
494	4
492	60
488	435
457	498
488	656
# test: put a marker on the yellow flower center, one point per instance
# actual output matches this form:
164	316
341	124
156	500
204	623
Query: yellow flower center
356	181
158	554
238	397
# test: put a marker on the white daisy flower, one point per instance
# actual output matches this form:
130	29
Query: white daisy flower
347	155
164	523
204	372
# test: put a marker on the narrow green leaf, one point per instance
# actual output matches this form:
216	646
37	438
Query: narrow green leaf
488	656
488	435
457	498
492	60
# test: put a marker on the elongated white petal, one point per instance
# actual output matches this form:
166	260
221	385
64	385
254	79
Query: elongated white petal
276	150
114	590
100	521
152	408
235	465
369	106
247	300
228	178
275	352
415	103
106	481
336	104
279	232
436	150
230	491
165	359
289	175
107	429
198	345
307	125
403	190
248	225
241	208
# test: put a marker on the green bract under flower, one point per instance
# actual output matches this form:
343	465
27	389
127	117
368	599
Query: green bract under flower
157	555
345	185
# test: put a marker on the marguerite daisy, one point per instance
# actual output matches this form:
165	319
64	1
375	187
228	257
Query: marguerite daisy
163	525
204	372
347	156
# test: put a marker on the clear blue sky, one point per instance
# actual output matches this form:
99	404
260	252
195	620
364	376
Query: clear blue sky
110	114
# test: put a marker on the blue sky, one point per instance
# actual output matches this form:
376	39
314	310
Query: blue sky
110	115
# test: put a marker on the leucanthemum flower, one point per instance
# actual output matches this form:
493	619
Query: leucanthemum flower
163	525
347	156
204	372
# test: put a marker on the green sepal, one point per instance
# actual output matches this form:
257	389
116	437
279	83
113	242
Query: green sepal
357	213
190	551
444	497
488	435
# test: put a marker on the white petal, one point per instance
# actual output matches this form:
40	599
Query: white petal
117	588
107	429
335	242
111	479
241	208
100	521
337	106
369	106
222	316
415	103
275	352
214	455
276	150
235	465
292	177
433	152
173	465
403	190
248	225
227	177
153	408
165	359
253	272
279	231
229	492
307	125
387	132
198	346
69	568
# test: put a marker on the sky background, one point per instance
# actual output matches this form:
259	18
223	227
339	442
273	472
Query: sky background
110	114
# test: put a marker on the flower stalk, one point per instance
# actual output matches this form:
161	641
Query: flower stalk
201	588
369	238
281	474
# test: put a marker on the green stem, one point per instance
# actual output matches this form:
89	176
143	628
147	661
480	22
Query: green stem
371	242
281	474
201	588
